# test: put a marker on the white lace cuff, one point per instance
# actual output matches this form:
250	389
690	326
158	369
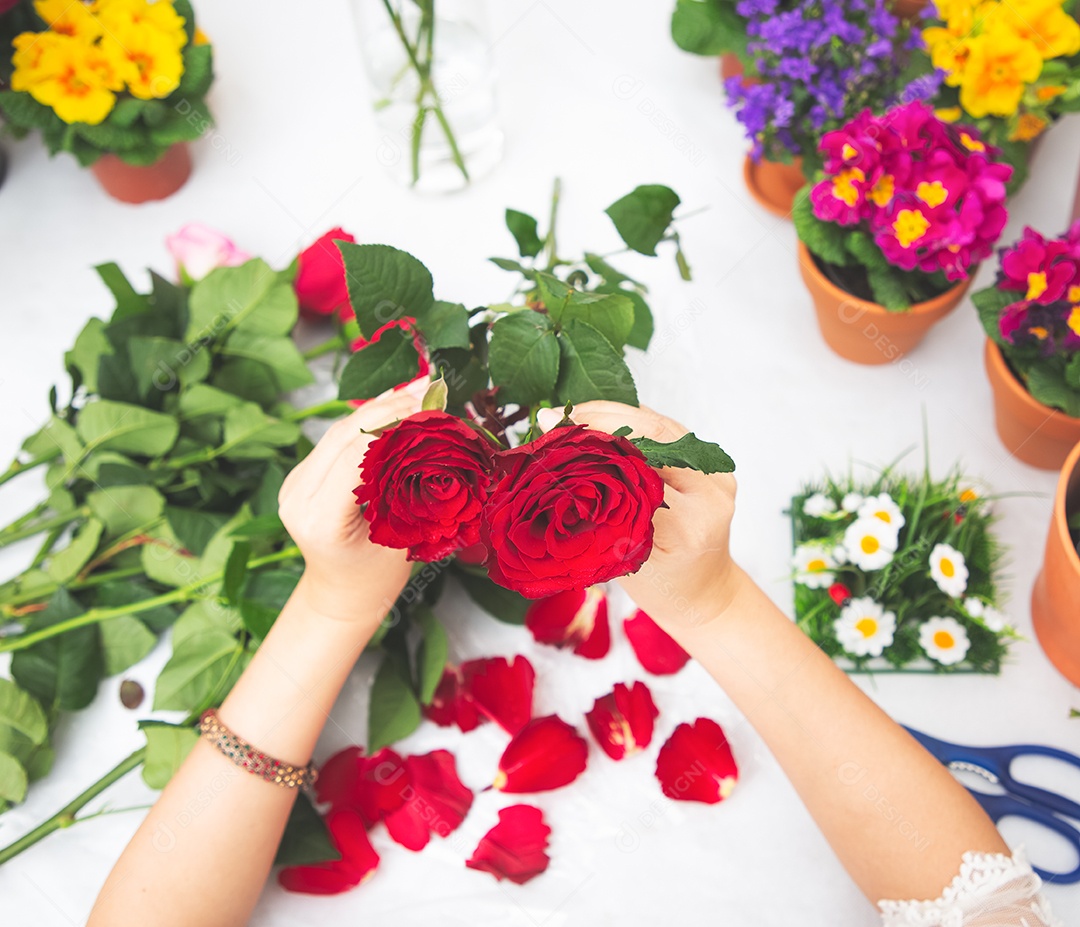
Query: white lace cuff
991	890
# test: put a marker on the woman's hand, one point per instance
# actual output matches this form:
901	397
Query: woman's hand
342	566
689	578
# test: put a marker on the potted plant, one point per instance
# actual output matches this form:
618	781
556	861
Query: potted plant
1010	69
888	238
817	63
899	573
1032	319
1054	613
120	84
711	28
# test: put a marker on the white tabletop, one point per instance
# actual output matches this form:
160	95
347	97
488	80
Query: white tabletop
596	93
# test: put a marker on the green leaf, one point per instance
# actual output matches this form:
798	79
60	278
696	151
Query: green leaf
193	529
154	362
125	640
393	711
251	433
380	366
20	711
263	597
165	560
641	331
221	544
198	71
167	746
128	302
306	840
1048	386
708	27
524	357
591	368
433	652
689	451
446	326
251	298
260	528
889	288
202	668
512	266
205	616
13	779
63	671
119	426
642	217
991	303
523	227
611	314
385	284
65	564
125	508
248	379
435	397
824	239
279	354
505	604
24	111
56	434
235	571
85	356
199	399
599	266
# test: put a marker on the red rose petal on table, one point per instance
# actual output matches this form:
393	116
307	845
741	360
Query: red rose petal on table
696	763
372	786
622	722
452	705
436	801
656	650
357	864
320	278
514	848
546	754
577	618
501	690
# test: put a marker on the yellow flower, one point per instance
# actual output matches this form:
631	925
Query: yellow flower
69	17
1052	31
120	15
30	49
75	81
932	193
149	60
1074	320
844	185
1028	126
949	114
201	38
910	226
949	52
881	193
999	66
1048	93
1074	295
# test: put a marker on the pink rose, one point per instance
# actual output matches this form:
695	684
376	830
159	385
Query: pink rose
198	249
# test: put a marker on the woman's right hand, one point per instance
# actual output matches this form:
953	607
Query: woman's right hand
689	578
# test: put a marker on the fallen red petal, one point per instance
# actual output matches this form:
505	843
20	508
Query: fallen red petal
501	690
696	763
514	848
357	864
452	705
576	618
656	650
622	722
546	754
436	801
373	786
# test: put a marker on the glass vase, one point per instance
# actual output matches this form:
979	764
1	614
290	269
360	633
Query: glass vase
428	64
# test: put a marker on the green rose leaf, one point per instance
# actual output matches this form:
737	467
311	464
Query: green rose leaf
306	840
394	712
199	399
167	746
689	451
263	597
65	564
446	326
433	653
385	284
235	571
193	529
205	616
591	368
278	353
128	302
642	217
56	435
202	668
13	779
155	362
85	356
20	711
251	434
124	508
165	560
611	314
382	365
505	604
523	227
252	298
119	426
524	357
125	640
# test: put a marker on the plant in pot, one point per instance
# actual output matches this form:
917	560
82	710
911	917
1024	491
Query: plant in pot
1032	319
1010	69
714	28
817	63
888	238
119	84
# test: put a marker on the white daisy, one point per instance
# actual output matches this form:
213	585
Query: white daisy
948	570
818	505
944	640
884	508
864	628
993	620
839	554
814	566
851	502
870	543
974	607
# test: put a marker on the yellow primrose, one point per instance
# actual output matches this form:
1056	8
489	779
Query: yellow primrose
29	60
148	59
69	17
74	83
1052	31
999	66
118	15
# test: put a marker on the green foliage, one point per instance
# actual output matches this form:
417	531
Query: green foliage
306	840
394	710
709	27
379	366
524	229
689	451
643	216
167	746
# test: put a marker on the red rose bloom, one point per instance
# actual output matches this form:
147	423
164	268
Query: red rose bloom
425	483
572	509
320	278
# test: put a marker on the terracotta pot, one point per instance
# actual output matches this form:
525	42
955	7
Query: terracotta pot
911	10
865	332
773	185
134	183
1055	600
730	66
1036	434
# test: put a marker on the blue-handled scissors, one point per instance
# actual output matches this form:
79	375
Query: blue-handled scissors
1019	799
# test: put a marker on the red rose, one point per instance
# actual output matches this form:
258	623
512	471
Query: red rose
320	278
572	509
425	482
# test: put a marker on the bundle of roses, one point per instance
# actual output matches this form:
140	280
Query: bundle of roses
126	77
899	573
1032	312
908	205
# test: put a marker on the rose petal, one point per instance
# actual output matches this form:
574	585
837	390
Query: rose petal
547	753
452	705
320	277
357	864
696	763
436	801
514	848
501	690
622	722
577	618
655	649
370	785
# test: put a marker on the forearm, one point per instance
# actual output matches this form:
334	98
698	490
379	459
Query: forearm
205	849
896	818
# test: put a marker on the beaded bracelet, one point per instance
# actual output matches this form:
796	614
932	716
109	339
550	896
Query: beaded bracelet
252	760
